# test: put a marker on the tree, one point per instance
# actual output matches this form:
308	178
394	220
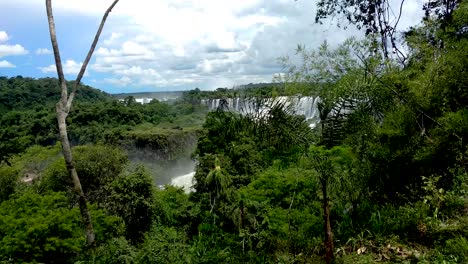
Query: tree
97	165
131	198
42	228
63	109
333	165
217	181
442	9
345	81
376	17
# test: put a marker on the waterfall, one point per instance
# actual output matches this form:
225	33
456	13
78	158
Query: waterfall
306	106
184	181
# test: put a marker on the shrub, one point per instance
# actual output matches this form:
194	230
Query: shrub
42	228
164	245
96	166
457	247
131	197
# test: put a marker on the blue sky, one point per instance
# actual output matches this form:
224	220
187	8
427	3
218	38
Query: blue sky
165	45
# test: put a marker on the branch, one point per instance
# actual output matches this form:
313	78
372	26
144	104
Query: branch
90	53
398	51
58	61
399	15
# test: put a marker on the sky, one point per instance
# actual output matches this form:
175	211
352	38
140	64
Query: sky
167	45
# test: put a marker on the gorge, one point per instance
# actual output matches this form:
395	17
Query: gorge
180	171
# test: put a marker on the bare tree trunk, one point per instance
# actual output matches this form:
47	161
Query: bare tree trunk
86	217
63	108
329	248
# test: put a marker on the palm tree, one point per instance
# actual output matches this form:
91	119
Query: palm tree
344	78
218	182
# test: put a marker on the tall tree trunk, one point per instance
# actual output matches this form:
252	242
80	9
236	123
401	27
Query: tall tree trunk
86	217
63	108
327	224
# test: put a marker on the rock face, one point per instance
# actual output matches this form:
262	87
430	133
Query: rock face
166	153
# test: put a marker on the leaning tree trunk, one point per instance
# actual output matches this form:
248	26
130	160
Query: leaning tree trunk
63	108
78	190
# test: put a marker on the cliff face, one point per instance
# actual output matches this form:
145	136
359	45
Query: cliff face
165	152
162	144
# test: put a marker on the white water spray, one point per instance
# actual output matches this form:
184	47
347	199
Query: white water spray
184	181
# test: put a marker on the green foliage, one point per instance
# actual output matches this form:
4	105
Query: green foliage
131	198
217	180
279	211
42	228
18	93
100	168
164	143
115	251
27	112
173	208
246	144
21	129
9	178
259	90
96	165
388	159
406	221
164	245
336	170
25	168
457	247
27	115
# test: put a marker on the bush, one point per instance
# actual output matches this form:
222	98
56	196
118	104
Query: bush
164	245
9	178
114	251
131	197
457	247
173	207
96	166
31	163
42	228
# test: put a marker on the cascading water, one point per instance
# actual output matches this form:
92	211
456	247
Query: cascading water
305	106
184	181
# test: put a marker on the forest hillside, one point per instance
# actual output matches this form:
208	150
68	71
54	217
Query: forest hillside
380	177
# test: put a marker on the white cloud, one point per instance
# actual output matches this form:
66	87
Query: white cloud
3	36
112	39
49	69
69	67
128	49
204	43
6	64
43	51
9	50
12	50
124	81
106	67
182	43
